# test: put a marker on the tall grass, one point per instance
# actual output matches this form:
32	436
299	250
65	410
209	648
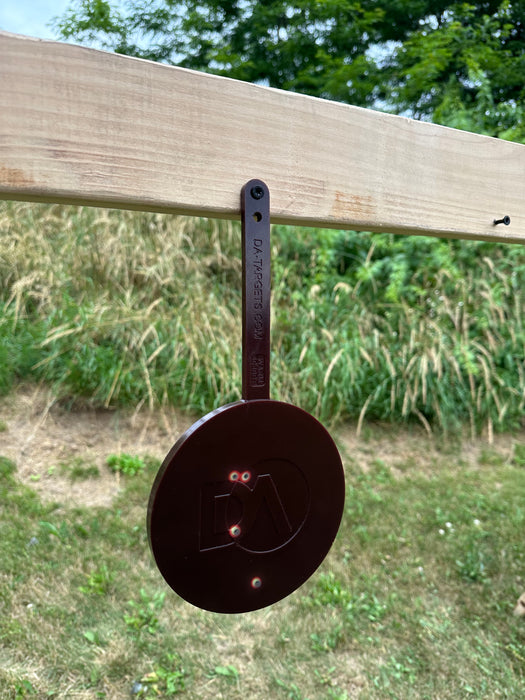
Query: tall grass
128	308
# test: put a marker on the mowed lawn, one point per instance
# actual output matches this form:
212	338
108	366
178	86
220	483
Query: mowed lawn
415	599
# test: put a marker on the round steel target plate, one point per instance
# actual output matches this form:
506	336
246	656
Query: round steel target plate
246	506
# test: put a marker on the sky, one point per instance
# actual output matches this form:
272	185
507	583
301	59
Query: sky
30	16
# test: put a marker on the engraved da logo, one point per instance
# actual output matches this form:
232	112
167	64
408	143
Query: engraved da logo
258	509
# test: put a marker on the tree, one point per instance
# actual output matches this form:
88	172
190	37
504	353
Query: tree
456	63
465	68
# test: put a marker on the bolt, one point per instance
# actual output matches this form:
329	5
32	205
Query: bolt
505	220
257	192
256	582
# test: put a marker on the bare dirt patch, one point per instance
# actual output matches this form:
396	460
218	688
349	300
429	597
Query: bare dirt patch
40	435
402	449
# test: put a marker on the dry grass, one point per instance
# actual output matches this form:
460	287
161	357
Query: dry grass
124	308
414	600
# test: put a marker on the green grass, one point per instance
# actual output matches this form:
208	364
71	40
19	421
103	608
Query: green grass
414	600
78	469
126	464
121	308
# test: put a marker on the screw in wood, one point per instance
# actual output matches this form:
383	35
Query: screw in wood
257	192
505	220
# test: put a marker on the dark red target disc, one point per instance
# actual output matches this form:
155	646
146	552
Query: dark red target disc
246	506
247	503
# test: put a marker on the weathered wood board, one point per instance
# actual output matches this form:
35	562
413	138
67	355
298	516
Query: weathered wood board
90	127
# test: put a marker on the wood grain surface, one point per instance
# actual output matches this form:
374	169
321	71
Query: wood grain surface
89	127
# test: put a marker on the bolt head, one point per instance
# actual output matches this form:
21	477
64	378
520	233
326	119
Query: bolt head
257	192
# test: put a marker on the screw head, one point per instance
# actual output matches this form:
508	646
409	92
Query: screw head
257	192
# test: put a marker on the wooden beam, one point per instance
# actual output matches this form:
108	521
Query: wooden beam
90	127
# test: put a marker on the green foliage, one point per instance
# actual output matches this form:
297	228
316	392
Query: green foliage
126	464
463	68
118	308
291	690
458	63
164	682
60	532
395	672
333	593
98	582
7	467
93	637
312	47
519	455
408	326
78	470
143	614
24	689
228	672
